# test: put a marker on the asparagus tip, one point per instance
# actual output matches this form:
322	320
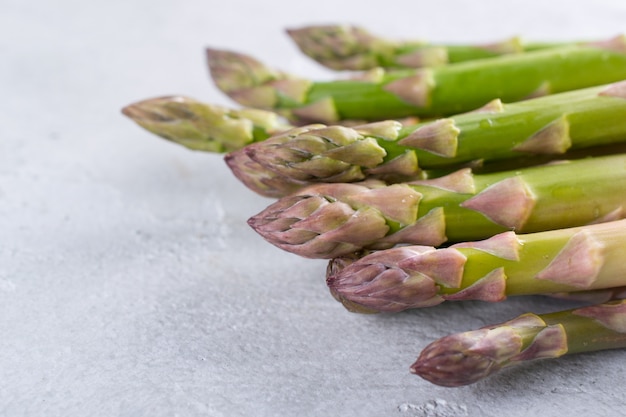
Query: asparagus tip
338	47
233	72
447	362
152	109
263	182
386	280
315	223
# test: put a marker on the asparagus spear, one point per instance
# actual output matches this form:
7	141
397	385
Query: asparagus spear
547	126
564	260
359	275
445	90
331	220
466	358
347	47
201	126
210	127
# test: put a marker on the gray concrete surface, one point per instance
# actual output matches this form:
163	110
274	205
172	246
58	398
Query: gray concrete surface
130	284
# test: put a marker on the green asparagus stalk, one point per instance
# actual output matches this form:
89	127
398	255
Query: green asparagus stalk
320	154
204	127
546	126
555	261
426	92
336	277
210	127
331	220
465	358
353	48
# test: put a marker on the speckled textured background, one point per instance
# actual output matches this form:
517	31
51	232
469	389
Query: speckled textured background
130	283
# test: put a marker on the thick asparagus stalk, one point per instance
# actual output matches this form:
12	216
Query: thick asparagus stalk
465	358
556	261
353	48
204	127
445	90
546	126
337	265
331	220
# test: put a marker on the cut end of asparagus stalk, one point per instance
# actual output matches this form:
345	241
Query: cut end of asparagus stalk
201	126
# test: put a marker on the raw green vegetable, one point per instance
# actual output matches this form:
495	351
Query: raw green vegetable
426	92
331	220
201	126
542	127
555	261
464	358
346	47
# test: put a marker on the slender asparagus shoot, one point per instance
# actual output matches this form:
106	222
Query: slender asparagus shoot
465	358
332	220
545	127
204	127
557	261
426	92
353	48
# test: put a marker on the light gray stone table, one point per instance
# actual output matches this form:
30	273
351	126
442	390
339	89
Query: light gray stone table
130	284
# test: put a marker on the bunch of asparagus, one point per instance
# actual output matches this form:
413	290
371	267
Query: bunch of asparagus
436	173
